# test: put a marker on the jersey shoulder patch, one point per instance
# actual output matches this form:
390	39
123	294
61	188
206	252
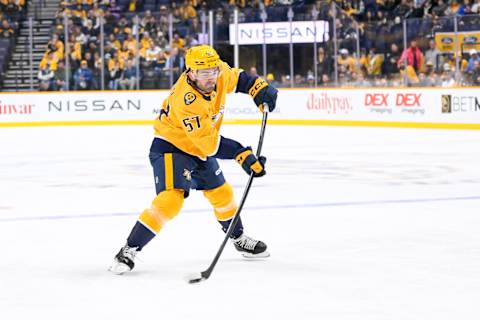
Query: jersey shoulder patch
189	97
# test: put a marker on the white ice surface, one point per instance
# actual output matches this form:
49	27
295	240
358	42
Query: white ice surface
361	223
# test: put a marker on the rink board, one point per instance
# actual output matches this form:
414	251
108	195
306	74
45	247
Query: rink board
455	108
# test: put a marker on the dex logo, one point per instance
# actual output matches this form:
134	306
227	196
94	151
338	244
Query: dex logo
408	100
399	99
376	99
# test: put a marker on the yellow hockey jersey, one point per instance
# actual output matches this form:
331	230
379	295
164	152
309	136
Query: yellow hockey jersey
191	120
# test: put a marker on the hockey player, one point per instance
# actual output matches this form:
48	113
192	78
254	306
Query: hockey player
185	148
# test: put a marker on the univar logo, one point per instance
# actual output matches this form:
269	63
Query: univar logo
8	109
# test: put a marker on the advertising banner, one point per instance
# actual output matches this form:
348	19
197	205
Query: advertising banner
79	106
280	32
467	40
396	107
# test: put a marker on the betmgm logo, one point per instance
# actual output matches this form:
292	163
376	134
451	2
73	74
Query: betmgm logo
460	104
446	103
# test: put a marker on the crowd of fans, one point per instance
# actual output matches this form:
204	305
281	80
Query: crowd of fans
11	12
382	60
139	54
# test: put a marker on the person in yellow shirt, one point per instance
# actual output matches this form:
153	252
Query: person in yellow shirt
345	59
186	147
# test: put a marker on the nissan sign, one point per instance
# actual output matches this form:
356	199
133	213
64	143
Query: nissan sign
280	32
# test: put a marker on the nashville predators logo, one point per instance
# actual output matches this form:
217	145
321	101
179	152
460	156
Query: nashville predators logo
187	174
189	98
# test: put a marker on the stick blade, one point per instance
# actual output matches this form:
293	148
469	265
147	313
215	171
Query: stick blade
194	278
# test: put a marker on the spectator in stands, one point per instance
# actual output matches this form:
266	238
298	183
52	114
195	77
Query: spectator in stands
471	62
60	77
148	22
360	81
310	79
178	42
89	31
408	74
90	60
271	80
190	41
424	81
130	44
299	81
115	43
49	61
476	7
286	81
149	52
175	62
375	62
361	63
75	52
56	46
325	62
115	10
134	5
431	73
253	72
380	82
412	56
451	59
129	77
325	81
6	30
176	13
194	26
46	77
83	77
160	64
92	48
453	8
447	77
12	8
345	60
188	10
433	54
163	18
403	9
115	67
97	72
476	73
109	50
110	21
440	9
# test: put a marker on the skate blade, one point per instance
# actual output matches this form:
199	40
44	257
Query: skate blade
119	268
251	256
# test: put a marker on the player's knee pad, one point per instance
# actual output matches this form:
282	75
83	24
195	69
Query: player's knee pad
165	206
222	200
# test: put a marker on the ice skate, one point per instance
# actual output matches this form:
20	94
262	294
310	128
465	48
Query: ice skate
123	261
250	248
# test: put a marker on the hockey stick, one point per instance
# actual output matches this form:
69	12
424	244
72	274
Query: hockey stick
204	275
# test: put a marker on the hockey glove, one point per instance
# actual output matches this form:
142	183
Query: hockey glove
250	163
263	93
